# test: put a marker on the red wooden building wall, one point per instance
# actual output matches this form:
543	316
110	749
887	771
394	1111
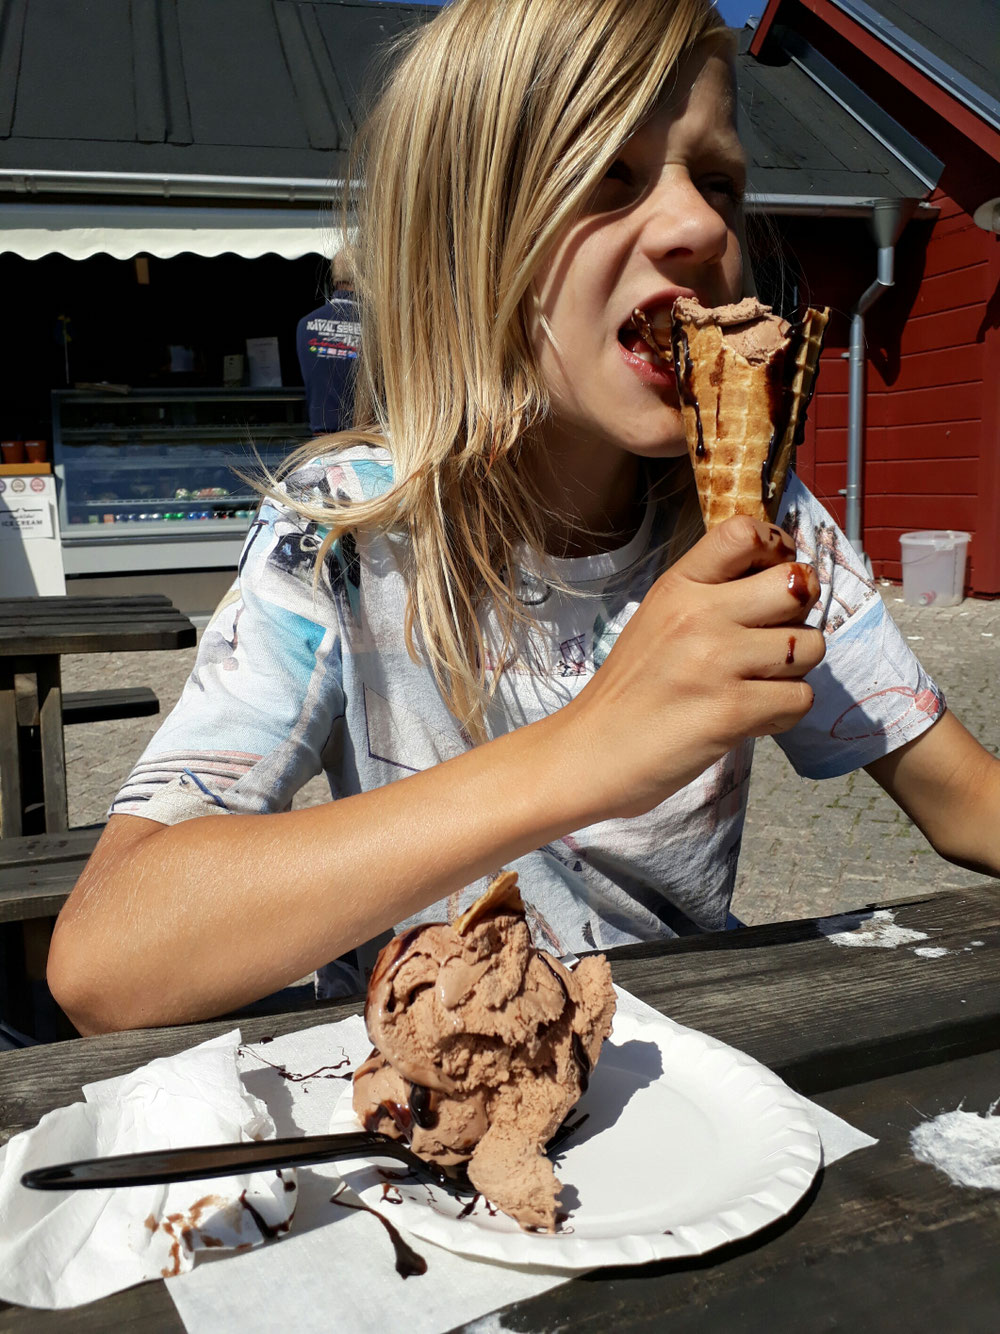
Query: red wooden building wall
932	410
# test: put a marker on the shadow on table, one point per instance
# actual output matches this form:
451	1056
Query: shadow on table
766	936
712	1259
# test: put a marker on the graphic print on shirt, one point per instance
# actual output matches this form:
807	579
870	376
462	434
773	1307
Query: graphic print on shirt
900	700
218	649
286	571
189	770
724	785
333	338
822	546
402	738
573	657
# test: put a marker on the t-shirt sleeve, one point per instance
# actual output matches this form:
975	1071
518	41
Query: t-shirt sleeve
871	693
258	710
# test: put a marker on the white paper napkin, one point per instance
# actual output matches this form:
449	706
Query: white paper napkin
61	1248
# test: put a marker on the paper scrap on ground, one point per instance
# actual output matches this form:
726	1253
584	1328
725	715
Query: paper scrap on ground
876	930
62	1248
963	1145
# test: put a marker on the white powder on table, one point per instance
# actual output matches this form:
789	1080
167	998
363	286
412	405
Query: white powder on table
876	930
965	1146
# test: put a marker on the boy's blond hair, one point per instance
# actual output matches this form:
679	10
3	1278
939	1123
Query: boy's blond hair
486	143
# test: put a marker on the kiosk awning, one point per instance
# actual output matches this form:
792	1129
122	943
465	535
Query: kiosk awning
162	231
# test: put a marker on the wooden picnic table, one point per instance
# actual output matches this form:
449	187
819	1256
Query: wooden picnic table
883	1037
34	634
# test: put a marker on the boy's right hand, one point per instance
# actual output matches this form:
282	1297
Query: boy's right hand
715	653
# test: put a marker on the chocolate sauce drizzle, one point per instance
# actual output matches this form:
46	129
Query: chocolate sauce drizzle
266	1229
685	381
324	1071
408	1262
422	1107
798	584
781	371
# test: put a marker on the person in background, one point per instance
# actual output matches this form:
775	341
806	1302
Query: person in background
328	341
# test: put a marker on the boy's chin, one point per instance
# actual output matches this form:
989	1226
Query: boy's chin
670	448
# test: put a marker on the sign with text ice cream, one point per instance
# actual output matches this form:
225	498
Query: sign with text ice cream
30	547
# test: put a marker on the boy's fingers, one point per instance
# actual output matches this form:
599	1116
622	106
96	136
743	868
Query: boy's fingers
739	546
784	595
785	653
777	705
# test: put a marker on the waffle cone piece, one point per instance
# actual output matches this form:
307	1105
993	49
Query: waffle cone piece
745	378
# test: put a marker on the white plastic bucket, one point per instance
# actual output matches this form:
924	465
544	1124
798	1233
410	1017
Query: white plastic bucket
933	567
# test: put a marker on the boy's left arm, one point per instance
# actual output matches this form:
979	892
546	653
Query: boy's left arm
949	786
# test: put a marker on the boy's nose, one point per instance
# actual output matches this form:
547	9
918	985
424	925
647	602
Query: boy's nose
680	223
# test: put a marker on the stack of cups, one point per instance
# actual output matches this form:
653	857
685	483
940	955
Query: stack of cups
24	451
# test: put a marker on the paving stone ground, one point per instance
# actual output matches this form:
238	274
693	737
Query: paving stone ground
809	847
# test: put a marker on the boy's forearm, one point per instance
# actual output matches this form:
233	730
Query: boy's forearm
949	785
222	910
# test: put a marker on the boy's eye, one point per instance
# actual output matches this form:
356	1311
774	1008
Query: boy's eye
616	189
619	171
723	187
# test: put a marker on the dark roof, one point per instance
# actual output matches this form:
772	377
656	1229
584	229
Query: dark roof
260	88
954	42
274	89
802	142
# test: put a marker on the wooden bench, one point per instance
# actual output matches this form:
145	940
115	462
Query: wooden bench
37	874
92	706
101	706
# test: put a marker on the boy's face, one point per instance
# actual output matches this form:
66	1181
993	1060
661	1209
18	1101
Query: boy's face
662	224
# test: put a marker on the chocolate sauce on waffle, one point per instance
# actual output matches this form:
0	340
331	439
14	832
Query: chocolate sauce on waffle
685	385
781	372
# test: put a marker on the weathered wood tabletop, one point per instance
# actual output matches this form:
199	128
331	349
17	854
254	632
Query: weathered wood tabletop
884	1037
34	634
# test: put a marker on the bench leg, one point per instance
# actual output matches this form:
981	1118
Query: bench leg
53	750
11	820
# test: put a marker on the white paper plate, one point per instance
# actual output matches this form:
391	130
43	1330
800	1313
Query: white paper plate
688	1144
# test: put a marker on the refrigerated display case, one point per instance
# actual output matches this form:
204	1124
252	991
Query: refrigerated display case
149	480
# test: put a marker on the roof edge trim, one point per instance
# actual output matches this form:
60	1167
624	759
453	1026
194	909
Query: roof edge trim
168	185
833	206
927	62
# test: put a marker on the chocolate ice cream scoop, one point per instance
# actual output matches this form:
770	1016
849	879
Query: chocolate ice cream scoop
483	1044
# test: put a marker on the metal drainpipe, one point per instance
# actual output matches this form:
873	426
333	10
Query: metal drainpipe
889	217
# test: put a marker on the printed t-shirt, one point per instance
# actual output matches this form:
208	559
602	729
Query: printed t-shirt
291	681
328	341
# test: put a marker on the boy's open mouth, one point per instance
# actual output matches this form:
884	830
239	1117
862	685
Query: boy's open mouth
639	337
